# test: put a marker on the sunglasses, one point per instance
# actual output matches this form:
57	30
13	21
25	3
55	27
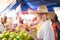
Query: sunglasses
41	13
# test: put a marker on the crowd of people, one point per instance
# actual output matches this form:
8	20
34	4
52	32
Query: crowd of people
48	24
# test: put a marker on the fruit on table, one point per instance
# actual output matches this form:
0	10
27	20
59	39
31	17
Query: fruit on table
4	39
2	35
12	35
0	38
4	32
7	34
15	39
26	27
28	37
37	27
10	39
20	39
22	35
17	28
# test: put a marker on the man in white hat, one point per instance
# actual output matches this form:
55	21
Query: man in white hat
46	32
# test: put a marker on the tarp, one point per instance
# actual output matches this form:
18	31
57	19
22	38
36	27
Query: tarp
4	4
34	4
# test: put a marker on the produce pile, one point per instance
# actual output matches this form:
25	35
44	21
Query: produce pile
22	35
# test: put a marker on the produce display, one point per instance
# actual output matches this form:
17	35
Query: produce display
22	35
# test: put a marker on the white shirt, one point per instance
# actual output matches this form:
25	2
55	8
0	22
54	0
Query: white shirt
46	32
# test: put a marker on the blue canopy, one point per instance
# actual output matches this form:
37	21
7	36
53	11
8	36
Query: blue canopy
33	4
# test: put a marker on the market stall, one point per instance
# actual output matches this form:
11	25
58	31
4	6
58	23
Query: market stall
17	18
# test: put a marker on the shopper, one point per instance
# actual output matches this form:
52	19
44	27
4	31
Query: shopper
3	21
45	32
56	27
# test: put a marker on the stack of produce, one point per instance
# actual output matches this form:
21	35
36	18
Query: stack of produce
22	35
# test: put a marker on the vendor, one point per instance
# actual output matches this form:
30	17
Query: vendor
45	32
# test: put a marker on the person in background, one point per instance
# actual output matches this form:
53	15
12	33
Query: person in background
56	27
30	11
45	32
8	25
29	17
19	22
3	21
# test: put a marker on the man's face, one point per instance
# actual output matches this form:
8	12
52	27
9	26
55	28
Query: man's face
3	19
42	16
